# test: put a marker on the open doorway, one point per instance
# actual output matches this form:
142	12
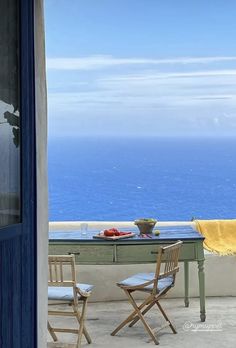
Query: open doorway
141	114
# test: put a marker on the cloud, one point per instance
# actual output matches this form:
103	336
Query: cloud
111	103
175	88
154	93
150	90
215	97
97	62
172	75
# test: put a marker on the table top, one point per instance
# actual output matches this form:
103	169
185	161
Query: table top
167	233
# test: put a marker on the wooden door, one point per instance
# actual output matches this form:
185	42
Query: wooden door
18	310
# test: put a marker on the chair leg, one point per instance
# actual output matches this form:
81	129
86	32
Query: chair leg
85	332
124	322
161	310
166	317
81	320
52	333
136	319
147	327
131	317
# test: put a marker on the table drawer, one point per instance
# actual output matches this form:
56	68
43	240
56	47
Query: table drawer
148	253
94	254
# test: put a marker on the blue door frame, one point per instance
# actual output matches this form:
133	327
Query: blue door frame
18	243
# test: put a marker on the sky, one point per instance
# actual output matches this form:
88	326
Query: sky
141	67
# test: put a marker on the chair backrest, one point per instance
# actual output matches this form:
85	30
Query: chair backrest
61	270
167	262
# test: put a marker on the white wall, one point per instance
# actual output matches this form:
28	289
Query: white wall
42	195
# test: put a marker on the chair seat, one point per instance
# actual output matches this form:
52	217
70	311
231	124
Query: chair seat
141	278
66	293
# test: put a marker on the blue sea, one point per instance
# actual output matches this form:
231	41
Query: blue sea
128	178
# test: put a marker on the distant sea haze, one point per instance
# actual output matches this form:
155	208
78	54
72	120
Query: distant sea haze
127	178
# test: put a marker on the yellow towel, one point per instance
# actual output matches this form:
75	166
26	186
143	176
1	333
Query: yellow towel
220	235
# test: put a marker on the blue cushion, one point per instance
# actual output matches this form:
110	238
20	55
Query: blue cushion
141	278
66	293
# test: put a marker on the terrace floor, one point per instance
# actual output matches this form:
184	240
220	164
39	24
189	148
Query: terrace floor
219	330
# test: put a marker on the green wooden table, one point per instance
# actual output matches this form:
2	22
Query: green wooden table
134	250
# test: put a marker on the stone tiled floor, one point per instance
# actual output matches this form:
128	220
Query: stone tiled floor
219	330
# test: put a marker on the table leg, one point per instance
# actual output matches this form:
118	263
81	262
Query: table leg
201	276
186	283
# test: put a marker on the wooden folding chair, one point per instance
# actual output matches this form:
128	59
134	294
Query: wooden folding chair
63	289
156	285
